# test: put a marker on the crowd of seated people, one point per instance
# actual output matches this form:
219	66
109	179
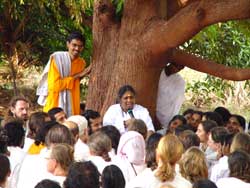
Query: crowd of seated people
196	150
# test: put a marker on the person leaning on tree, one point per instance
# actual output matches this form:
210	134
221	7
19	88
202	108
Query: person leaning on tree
60	83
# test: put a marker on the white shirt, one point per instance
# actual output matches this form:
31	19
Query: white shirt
16	158
220	170
99	162
147	179
33	170
116	116
232	182
171	90
81	152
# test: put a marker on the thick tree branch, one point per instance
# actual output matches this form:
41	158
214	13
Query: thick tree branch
105	11
162	35
210	67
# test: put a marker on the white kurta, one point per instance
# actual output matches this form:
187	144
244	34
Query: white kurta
171	90
116	116
232	183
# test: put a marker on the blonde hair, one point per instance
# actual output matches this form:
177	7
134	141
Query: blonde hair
100	144
63	154
241	141
169	151
193	165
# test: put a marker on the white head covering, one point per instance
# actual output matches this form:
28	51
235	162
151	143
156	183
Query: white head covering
132	147
81	121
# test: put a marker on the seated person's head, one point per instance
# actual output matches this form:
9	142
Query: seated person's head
112	177
196	119
205	183
59	158
189	139
224	112
239	165
15	132
94	120
57	114
214	116
19	108
126	97
193	165
139	126
132	147
100	145
5	169
59	134
36	121
82	174
175	122
236	123
82	124
241	141
188	114
114	134
73	127
151	145
46	183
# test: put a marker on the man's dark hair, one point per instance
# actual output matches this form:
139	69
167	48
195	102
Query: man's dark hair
53	111
90	114
188	138
208	125
5	168
124	89
114	135
225	114
188	111
82	174
15	132
112	177
215	117
46	183
76	35
241	120
205	183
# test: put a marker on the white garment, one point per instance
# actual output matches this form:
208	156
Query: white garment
33	170
116	116
129	172
99	162
27	143
171	90
16	158
220	170
211	158
147	179
81	152
232	182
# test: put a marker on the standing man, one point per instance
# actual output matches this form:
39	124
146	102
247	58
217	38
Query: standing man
60	83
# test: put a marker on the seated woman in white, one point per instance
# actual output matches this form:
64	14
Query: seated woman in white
131	154
203	132
168	153
118	114
100	146
239	166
